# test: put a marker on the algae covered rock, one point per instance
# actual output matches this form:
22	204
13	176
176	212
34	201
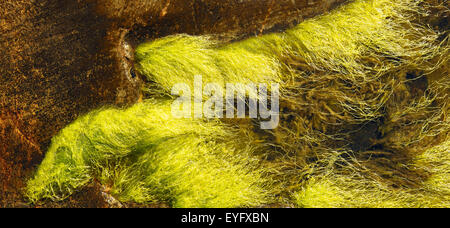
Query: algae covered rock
60	59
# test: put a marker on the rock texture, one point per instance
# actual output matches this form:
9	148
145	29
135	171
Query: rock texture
60	59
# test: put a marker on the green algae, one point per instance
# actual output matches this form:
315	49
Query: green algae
339	73
351	189
145	155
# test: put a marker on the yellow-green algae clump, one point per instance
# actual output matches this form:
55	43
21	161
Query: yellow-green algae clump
178	59
349	188
364	96
145	155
